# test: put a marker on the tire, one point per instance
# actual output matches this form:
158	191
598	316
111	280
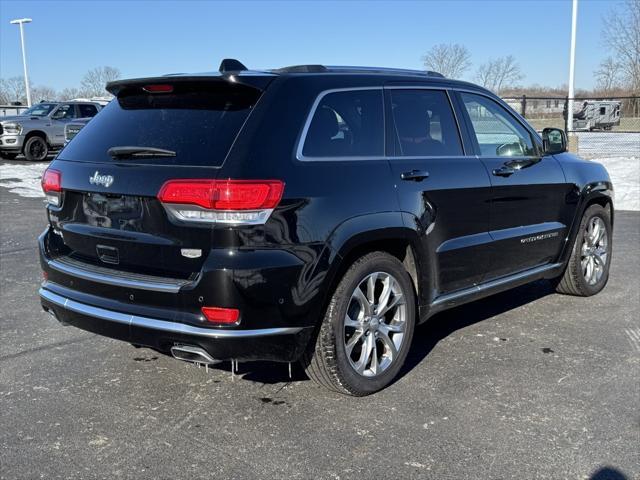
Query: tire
8	155
335	360
36	149
587	271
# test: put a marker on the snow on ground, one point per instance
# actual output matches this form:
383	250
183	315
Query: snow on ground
23	180
625	175
608	144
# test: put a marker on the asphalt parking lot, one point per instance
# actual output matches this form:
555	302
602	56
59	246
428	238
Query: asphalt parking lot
523	385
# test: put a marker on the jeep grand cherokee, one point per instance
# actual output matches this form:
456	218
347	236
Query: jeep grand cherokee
310	213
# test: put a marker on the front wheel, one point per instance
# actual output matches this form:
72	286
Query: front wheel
587	271
36	149
367	329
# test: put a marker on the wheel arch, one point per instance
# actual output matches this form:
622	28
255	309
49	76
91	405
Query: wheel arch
35	133
364	234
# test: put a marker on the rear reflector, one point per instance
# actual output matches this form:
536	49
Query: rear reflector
222	201
221	315
158	88
52	186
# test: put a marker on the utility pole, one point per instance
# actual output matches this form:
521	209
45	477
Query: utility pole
572	61
21	22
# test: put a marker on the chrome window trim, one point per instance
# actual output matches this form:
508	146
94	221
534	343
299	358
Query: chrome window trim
157	324
307	124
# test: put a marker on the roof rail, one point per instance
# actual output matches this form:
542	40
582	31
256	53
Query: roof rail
353	69
407	71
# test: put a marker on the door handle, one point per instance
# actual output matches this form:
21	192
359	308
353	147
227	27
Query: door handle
415	175
504	171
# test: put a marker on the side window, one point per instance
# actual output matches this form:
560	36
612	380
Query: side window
64	111
424	124
347	124
497	132
87	110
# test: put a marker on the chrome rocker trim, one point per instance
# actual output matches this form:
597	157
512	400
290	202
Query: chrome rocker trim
156	324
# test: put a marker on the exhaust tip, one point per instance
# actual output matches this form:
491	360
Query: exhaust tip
190	353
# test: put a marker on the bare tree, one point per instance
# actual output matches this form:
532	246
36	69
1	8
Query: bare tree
621	33
451	60
42	92
12	90
95	80
608	75
499	73
70	93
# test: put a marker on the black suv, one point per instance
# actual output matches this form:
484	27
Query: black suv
310	213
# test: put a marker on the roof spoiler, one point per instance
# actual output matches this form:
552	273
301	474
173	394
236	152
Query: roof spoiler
257	82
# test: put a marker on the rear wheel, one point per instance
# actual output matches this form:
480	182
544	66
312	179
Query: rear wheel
367	329
36	149
588	269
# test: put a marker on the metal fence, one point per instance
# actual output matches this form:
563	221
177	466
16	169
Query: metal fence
7	110
602	127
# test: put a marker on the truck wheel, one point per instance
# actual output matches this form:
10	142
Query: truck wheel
36	149
587	271
367	329
8	156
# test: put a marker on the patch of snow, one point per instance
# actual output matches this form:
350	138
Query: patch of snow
625	175
23	180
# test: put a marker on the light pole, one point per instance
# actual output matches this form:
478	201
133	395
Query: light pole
21	22
572	61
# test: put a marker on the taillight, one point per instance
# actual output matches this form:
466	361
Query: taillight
52	186
248	202
219	315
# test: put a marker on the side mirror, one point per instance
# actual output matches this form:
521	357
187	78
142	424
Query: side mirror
554	140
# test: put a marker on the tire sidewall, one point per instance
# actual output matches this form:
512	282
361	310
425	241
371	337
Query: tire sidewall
349	283
590	213
27	147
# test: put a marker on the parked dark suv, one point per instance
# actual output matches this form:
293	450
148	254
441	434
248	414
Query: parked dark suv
310	213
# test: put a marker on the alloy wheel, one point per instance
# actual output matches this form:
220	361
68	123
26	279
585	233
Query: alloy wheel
594	254
374	325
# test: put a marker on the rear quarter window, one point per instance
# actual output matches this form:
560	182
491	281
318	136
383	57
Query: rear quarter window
347	124
198	121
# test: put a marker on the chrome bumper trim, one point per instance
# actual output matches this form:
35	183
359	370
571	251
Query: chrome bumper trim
115	280
156	324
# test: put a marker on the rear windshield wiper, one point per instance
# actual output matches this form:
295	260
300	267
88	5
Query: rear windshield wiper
139	152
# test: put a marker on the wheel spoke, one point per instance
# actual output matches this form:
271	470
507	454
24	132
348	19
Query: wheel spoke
359	295
391	328
365	354
350	322
398	300
374	356
371	288
353	341
384	296
388	343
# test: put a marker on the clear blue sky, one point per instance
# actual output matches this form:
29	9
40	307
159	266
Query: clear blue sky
143	38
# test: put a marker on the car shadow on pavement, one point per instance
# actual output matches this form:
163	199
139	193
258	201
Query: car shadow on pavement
608	473
426	336
441	325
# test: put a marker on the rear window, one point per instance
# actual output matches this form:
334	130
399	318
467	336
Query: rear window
198	121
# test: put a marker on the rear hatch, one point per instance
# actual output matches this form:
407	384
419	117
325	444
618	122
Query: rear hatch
155	130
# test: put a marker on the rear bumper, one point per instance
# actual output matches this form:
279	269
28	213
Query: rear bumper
279	343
